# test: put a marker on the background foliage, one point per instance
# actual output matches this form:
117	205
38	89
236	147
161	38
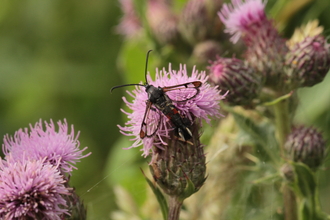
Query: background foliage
59	59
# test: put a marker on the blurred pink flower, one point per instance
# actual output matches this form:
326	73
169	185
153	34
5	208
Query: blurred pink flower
239	16
130	23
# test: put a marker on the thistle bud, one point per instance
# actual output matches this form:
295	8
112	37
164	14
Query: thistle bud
310	29
198	21
179	164
308	61
76	206
306	145
287	172
232	74
206	50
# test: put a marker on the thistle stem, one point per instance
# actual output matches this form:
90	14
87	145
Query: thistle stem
283	128
174	208
290	204
282	122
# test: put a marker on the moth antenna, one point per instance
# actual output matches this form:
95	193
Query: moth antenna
116	87
146	69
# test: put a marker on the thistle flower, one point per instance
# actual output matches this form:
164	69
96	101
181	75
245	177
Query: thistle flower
306	145
130	24
232	74
265	48
204	105
178	166
308	60
31	189
240	17
57	147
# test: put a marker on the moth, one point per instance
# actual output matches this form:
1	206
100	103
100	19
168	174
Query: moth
160	102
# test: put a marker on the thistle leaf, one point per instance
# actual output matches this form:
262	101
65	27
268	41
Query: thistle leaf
305	180
160	197
260	134
189	190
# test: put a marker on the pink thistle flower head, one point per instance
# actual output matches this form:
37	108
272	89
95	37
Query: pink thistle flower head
203	105
31	189
58	147
239	16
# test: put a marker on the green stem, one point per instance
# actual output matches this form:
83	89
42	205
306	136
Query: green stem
283	128
317	206
282	122
290	204
174	208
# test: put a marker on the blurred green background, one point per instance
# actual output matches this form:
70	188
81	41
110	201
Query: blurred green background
59	60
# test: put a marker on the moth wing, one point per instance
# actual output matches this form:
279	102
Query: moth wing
151	121
183	92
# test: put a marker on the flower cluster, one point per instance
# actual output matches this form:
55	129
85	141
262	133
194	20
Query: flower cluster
265	47
196	34
33	180
282	65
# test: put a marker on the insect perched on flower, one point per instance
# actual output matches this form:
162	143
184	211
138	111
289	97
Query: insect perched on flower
162	99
